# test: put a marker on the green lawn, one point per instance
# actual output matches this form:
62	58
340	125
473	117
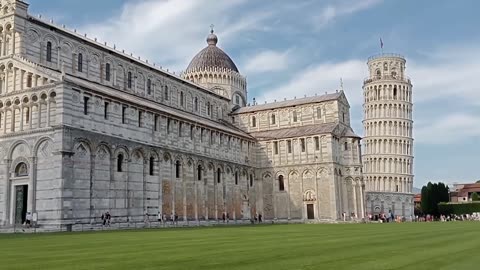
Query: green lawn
344	246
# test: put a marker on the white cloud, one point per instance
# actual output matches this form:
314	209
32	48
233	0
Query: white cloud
321	78
267	61
453	128
171	32
340	9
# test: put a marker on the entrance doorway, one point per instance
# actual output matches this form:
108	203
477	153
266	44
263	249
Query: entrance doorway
21	196
310	211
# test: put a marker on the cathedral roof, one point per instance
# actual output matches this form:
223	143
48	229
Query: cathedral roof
211	57
295	131
288	103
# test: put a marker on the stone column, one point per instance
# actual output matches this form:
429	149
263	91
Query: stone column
14	79
362	198
355	208
48	112
21	117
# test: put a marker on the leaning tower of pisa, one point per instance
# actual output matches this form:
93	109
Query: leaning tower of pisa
388	142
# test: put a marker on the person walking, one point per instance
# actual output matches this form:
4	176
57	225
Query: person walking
28	221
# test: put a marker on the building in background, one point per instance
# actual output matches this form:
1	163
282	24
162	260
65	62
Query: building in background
388	136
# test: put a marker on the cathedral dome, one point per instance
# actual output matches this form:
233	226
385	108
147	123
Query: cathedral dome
211	57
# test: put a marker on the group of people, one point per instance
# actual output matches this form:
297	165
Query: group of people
106	219
386	218
445	218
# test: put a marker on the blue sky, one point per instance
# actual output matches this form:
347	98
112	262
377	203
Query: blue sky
295	48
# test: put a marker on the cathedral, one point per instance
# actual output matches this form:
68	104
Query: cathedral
87	129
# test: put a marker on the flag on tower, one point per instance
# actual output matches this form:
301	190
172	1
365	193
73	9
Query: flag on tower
381	43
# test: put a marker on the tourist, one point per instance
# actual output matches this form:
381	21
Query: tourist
28	220
146	220
228	217
260	218
109	218
223	217
104	220
159	217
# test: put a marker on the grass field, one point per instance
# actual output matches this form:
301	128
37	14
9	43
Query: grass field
344	246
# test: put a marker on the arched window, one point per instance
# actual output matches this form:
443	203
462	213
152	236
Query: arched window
107	72
395	92
129	79
80	62
219	176
385	66
21	170
195	103
281	184
166	93
379	74
177	169
236	178
49	51
346	146
152	165
199	173
181	99
273	119
149	87
120	163
254	121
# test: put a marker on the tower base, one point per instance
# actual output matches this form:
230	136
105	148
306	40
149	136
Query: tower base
400	204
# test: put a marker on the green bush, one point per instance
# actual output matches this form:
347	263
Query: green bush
459	208
475	197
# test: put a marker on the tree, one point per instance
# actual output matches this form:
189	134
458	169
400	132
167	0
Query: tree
432	195
475	197
478	182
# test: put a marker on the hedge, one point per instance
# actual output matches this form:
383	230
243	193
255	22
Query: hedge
459	208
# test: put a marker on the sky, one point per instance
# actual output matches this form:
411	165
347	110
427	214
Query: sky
296	48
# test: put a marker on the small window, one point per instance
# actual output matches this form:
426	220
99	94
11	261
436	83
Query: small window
191	132
49	51
343	117
124	110
105	111
177	169
302	141
149	87
295	116
208	108
212	139
21	170
319	113
281	184
199	173
152	165
236	178
289	146
85	105
27	115
395	92
397	189
275	148
80	62
140	116
346	146
129	80
273	119
237	100
251	180
165	93
195	104
155	123
219	176
29	80
120	163
181	99
168	125
107	72
180	129
254	121
317	143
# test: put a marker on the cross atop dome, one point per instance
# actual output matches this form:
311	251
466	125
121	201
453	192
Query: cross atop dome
212	39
